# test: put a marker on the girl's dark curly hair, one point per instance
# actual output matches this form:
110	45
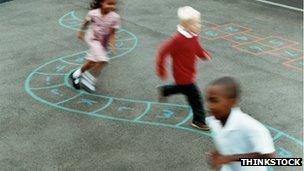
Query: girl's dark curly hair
95	4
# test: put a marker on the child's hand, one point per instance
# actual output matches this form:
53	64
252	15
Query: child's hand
80	35
208	58
216	159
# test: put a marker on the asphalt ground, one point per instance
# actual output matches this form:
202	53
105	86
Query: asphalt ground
46	125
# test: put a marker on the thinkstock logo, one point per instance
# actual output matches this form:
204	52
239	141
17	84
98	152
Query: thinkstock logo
271	162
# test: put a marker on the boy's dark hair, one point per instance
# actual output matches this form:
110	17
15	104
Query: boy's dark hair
232	87
95	4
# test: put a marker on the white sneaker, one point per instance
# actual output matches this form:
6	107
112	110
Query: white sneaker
87	85
90	78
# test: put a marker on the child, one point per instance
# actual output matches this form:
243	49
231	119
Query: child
103	22
236	134
184	48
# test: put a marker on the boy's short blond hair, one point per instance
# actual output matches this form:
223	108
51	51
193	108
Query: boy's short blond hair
187	13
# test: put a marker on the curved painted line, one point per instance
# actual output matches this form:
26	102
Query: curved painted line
66	82
71	98
55	105
277	136
47	87
42	73
121	40
189	116
144	113
286	135
66	26
74	16
72	13
72	63
26	87
175	127
131	49
124	99
122	48
104	107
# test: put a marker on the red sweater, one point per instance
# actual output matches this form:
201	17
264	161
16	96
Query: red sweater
184	52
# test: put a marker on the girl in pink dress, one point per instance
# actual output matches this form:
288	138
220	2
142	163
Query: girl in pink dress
98	31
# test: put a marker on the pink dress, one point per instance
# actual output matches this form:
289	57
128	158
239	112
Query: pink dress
97	35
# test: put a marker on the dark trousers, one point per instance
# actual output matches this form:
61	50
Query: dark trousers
193	95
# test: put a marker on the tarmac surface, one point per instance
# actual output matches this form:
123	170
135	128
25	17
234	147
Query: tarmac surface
47	125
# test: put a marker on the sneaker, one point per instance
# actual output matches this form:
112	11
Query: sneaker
161	97
85	84
200	125
75	81
89	77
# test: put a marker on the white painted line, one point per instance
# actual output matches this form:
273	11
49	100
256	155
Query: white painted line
281	5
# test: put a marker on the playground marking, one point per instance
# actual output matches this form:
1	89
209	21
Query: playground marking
280	5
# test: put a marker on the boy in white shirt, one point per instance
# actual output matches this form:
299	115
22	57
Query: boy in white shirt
236	134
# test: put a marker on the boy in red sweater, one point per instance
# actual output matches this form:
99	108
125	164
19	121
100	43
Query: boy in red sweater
184	48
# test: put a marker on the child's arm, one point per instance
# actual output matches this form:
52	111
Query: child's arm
200	52
161	59
112	40
84	26
216	159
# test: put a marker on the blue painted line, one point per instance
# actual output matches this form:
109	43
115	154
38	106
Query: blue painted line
55	105
72	63
104	107
188	117
87	102
48	79
119	30
122	48
119	44
167	113
75	25
72	14
282	152
56	92
144	113
269	168
292	54
255	47
121	109
127	39
60	68
277	137
286	135
242	38
185	106
42	73
130	100
26	86
77	95
176	127
69	14
117	98
48	87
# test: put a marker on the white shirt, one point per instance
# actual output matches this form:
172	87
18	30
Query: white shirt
240	134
